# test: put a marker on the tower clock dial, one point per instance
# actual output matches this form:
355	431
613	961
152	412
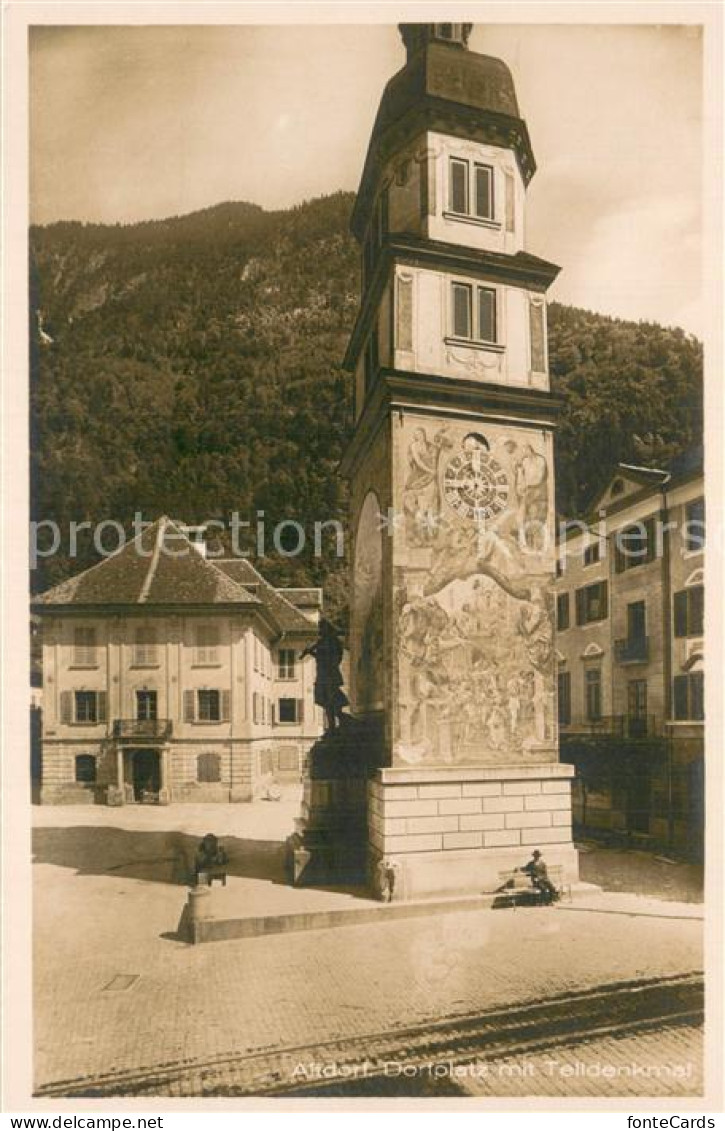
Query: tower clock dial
475	485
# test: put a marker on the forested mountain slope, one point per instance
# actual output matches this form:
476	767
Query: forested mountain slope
191	367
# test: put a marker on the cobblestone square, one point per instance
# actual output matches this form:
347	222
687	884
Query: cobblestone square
119	998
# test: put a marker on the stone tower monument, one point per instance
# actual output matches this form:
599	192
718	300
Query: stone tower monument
451	471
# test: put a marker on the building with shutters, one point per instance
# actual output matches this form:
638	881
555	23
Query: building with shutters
630	650
169	676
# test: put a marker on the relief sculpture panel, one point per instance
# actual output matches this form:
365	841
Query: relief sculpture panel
474	597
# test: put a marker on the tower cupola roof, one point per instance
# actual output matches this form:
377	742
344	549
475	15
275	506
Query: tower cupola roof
416	36
448	88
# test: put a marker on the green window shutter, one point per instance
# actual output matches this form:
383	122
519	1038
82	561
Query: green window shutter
697	696
581	608
189	713
681	613
680	696
697	610
66	707
300	710
603	600
226	706
651	540
101	706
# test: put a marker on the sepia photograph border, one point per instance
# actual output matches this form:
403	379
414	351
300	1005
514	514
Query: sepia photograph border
16	805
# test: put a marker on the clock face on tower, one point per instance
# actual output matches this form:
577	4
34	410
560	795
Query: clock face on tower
475	485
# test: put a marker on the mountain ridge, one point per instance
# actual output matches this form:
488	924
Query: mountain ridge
191	366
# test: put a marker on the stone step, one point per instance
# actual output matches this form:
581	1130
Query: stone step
198	928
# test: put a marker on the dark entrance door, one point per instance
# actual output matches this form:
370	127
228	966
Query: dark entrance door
146	773
637	708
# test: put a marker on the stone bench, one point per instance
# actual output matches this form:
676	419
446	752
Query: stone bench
515	884
211	872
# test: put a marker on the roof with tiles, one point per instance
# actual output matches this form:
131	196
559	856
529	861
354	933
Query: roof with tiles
162	566
282	608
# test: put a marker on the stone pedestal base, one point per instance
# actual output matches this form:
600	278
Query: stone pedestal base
330	842
453	831
331	838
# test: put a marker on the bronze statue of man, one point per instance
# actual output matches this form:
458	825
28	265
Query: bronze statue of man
327	651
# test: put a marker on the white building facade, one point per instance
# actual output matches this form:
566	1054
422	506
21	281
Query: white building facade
171	678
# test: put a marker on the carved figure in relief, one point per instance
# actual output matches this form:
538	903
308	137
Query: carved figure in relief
532	494
536	626
421	492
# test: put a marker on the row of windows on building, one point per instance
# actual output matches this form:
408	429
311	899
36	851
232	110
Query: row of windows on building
592	604
145	650
688	700
208	768
642	543
205	705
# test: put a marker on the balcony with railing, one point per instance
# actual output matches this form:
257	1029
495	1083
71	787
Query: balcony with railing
632	650
146	730
612	726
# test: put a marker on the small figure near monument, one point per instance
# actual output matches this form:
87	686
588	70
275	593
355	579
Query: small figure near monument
538	873
211	861
327	652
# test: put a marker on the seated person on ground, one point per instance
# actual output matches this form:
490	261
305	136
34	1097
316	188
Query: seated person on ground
537	872
210	857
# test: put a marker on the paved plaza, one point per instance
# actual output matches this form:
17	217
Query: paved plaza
118	994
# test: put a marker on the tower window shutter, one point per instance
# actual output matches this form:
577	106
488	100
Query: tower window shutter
536	333
509	182
681	613
461	310
580	607
484	191
405	313
226	706
101	707
188	706
486	314
603	600
459	186
66	707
